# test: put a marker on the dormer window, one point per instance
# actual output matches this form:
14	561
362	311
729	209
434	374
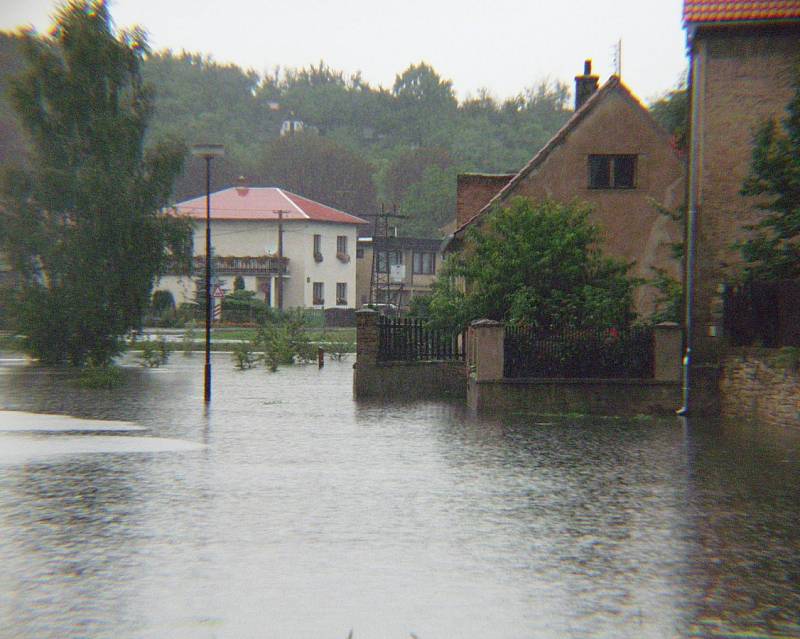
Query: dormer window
612	171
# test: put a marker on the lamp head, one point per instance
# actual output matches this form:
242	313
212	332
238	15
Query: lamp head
207	151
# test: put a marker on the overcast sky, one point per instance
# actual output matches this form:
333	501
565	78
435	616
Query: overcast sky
501	45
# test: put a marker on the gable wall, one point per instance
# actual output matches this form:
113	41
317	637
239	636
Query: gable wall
632	229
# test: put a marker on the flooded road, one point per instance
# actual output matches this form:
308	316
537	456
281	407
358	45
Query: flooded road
289	510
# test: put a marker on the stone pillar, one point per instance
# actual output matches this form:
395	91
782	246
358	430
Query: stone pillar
366	337
668	352
487	337
366	351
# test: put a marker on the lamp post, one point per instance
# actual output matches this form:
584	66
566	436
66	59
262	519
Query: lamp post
208	152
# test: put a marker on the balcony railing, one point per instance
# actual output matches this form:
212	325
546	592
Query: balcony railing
248	265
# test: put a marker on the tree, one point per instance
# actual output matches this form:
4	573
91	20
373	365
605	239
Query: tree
408	167
424	105
773	249
82	225
12	143
538	264
318	168
671	111
430	203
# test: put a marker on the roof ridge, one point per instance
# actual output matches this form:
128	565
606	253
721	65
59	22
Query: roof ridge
544	152
292	202
614	82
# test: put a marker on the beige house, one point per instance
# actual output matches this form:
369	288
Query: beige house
251	226
611	154
396	269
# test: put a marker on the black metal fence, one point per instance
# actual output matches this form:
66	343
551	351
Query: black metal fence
763	313
411	340
600	353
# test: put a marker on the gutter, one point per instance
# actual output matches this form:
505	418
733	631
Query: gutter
691	231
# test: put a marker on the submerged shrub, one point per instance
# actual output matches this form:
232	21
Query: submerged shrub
154	353
243	355
100	377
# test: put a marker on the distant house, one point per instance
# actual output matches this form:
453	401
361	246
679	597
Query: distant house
318	268
396	269
744	57
612	154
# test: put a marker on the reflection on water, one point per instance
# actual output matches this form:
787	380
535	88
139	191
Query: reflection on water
288	510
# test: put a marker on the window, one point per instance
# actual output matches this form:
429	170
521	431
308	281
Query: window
394	257
319	294
612	171
318	248
341	249
341	294
424	263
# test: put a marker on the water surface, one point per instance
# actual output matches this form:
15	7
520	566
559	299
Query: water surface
289	510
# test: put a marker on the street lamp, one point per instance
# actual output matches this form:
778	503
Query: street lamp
208	152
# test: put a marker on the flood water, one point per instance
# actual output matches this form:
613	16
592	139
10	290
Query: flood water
289	510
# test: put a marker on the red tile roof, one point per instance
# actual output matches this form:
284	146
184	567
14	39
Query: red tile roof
739	10
263	203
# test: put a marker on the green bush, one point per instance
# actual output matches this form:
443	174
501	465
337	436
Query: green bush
273	341
163	301
154	353
337	350
243	306
100	377
243	355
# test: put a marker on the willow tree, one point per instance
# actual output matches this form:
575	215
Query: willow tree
81	221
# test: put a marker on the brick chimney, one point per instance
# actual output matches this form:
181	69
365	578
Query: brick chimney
585	85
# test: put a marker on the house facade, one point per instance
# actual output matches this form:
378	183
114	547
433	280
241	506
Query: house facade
613	155
396	269
293	252
744	58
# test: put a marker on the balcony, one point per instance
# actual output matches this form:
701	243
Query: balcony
233	265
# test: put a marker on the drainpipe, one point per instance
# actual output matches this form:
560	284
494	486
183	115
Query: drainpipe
691	229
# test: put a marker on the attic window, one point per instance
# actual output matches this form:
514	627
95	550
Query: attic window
612	171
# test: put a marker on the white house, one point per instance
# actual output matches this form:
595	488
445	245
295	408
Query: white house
318	269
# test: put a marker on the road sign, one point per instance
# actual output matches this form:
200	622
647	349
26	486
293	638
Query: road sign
218	293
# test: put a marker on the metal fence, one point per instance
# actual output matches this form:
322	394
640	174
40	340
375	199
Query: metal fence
763	313
411	340
599	353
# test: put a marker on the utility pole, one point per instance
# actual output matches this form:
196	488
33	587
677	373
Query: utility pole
280	260
379	280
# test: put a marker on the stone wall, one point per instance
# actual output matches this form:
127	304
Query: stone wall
585	396
488	390
400	380
410	380
480	380
761	384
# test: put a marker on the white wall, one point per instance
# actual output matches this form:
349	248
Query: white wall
255	238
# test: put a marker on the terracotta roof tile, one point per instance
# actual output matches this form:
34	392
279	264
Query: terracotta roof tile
739	10
263	203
